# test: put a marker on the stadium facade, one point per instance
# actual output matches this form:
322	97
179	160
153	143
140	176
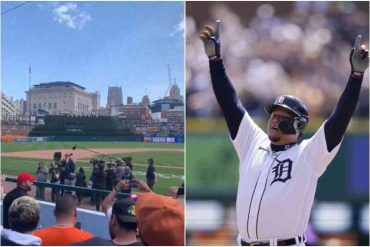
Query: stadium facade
61	97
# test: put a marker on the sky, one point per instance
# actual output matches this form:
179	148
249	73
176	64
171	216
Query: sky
93	44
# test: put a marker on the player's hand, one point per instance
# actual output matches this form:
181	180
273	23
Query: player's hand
211	41
359	58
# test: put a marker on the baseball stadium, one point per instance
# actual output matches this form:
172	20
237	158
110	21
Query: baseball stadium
79	163
271	49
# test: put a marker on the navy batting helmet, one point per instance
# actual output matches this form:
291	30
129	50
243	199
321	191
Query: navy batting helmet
295	106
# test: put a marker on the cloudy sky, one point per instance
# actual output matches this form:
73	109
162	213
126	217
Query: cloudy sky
94	44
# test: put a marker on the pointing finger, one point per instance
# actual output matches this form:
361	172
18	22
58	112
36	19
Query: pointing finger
217	32
358	42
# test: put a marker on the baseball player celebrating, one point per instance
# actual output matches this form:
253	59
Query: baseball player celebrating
278	172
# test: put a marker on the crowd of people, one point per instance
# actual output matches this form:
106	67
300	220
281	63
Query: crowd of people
144	219
301	50
104	176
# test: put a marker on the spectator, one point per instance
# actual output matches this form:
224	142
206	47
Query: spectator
122	221
2	180
41	176
129	163
160	218
70	171
64	231
63	171
24	216
54	178
24	184
110	177
81	182
100	181
127	175
119	172
151	177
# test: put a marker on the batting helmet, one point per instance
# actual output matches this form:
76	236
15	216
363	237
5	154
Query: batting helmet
295	106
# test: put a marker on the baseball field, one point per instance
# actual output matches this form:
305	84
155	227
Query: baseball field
168	158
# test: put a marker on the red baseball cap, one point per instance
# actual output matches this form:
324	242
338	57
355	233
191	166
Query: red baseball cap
24	176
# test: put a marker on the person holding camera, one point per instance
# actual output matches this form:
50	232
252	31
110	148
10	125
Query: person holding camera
100	177
110	176
41	176
80	182
70	171
63	171
54	178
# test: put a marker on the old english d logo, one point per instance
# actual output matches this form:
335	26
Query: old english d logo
282	171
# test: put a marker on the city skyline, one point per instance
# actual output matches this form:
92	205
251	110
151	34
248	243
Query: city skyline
79	42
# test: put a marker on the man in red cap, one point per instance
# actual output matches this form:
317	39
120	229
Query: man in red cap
24	184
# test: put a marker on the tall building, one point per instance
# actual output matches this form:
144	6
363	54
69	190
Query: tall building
60	97
130	100
20	106
7	106
145	101
175	92
114	96
95	101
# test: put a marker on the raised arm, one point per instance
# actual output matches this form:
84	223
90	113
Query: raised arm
224	91
338	121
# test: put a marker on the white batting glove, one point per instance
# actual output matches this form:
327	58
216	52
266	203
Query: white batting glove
359	58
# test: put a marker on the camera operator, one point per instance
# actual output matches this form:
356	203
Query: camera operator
63	170
110	177
70	171
99	182
54	178
80	182
118	172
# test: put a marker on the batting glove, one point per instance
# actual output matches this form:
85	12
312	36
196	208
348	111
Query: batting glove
359	58
211	41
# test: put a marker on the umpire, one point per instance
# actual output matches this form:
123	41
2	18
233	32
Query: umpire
279	171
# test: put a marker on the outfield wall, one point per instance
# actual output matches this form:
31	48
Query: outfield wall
132	138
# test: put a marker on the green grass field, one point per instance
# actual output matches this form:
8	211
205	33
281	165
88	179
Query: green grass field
170	175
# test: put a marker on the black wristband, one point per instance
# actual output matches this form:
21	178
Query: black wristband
357	75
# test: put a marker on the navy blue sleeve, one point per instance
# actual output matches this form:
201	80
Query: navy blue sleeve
226	97
338	121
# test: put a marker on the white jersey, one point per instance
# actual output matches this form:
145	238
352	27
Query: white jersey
276	189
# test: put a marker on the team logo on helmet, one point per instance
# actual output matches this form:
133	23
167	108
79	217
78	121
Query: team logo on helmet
280	100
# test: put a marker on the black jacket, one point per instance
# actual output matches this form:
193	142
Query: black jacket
8	199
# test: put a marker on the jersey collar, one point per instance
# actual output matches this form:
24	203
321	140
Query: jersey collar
277	148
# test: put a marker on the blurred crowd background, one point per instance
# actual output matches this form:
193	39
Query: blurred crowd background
269	49
273	48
